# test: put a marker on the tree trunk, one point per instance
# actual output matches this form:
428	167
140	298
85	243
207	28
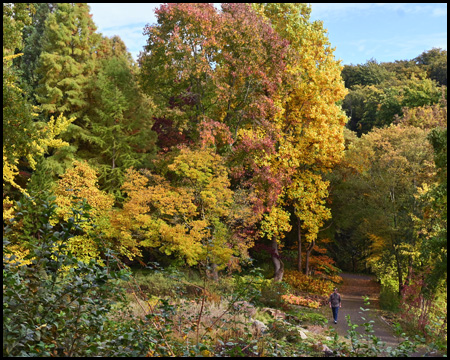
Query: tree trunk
399	273
410	271
213	273
299	260
278	264
308	253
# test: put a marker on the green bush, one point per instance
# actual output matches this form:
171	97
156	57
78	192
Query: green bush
389	299
271	294
57	305
309	317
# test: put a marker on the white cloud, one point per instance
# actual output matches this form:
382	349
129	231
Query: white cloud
111	15
125	20
440	11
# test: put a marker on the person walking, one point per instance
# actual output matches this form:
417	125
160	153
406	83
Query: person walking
335	303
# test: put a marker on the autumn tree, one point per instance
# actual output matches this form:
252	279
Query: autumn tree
79	184
217	90
189	216
199	68
311	121
65	63
25	140
392	164
260	106
66	60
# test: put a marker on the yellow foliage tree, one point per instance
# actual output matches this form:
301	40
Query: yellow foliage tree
79	184
186	217
23	137
310	122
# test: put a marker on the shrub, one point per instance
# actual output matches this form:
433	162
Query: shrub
57	305
308	284
389	299
271	294
299	300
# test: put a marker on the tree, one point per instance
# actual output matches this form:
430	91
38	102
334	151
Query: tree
24	139
274	226
267	105
78	186
433	226
425	117
199	68
217	90
63	68
370	73
379	105
15	17
121	121
32	39
435	62
188	216
66	60
394	163
311	123
349	208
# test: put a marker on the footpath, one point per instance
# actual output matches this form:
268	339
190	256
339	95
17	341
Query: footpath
352	290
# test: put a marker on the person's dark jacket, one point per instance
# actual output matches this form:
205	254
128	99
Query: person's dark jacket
335	300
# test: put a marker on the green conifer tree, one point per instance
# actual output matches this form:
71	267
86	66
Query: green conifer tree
65	65
66	60
121	121
32	40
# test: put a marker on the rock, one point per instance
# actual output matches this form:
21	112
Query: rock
326	350
302	329
302	335
277	314
259	326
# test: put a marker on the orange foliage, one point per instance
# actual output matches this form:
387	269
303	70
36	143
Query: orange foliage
308	284
298	300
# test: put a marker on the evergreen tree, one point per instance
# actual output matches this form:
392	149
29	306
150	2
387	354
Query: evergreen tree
32	39
64	67
66	60
121	121
15	17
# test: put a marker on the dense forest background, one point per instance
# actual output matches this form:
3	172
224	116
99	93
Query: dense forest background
236	140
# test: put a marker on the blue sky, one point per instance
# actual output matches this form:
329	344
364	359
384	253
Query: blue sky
359	31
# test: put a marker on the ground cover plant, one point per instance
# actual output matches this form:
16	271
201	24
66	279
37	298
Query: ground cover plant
56	305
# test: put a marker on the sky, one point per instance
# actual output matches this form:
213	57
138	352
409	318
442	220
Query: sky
359	31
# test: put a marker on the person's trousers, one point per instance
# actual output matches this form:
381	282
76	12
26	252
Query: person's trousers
335	312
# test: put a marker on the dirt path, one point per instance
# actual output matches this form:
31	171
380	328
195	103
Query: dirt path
352	290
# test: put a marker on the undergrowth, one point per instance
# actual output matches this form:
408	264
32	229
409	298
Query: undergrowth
59	306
